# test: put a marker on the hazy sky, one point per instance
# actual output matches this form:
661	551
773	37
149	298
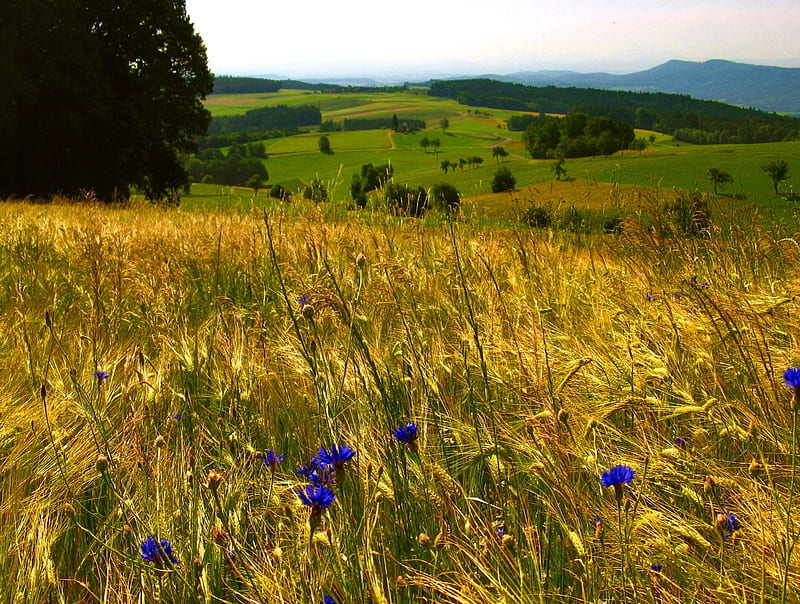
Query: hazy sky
308	38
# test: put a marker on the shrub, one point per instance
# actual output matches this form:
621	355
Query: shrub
403	200
538	217
690	214
316	191
280	192
503	181
574	221
445	197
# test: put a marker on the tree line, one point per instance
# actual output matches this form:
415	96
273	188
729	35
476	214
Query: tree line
267	118
683	117
576	135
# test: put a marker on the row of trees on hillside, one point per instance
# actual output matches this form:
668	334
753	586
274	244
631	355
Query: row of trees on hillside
685	118
267	118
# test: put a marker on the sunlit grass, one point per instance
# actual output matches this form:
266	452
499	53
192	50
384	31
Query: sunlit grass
531	362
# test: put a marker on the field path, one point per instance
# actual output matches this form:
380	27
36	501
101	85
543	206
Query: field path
390	134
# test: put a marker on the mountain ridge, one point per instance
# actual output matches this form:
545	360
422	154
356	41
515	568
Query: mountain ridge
758	86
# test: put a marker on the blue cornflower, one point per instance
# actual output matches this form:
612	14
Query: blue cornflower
328	600
649	297
656	568
178	416
733	523
271	459
693	280
406	434
158	552
303	301
681	441
617	476
100	375
792	377
336	457
317	498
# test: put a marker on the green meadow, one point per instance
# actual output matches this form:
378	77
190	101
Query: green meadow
295	161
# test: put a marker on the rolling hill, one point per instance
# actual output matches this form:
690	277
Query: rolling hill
759	86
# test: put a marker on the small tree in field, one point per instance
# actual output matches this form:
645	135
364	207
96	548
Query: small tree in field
444	124
558	169
445	197
404	200
778	171
425	143
718	177
503	181
316	191
255	183
499	153
324	144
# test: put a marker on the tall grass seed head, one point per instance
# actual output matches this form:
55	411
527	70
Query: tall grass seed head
101	463
213	480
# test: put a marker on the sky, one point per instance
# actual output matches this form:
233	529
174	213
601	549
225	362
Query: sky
347	38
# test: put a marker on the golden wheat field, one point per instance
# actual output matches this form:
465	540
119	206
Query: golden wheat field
456	400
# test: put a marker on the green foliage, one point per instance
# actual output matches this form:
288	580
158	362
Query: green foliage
255	182
777	170
686	118
241	85
558	168
538	217
316	191
499	153
324	144
689	214
718	177
445	197
503	180
370	179
444	124
404	200
232	170
115	99
576	135
266	119
280	192
364	123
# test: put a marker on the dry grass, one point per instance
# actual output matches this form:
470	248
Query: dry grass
531	363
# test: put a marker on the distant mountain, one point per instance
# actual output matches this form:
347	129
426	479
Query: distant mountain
759	86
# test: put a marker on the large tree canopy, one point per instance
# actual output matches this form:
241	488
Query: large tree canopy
98	96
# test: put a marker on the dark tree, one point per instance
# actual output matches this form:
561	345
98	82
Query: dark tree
324	144
503	180
255	183
499	153
425	143
777	170
395	123
446	165
98	96
445	197
444	124
403	200
718	177
558	168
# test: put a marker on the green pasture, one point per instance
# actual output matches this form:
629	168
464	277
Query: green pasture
665	164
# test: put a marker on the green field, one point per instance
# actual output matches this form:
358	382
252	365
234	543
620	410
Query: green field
296	160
